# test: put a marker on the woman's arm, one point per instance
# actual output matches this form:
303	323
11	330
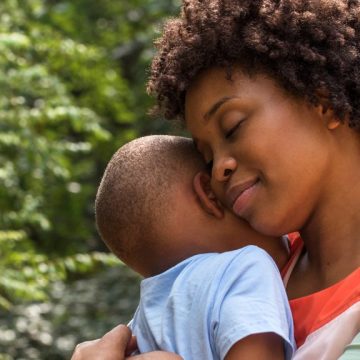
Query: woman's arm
115	345
267	346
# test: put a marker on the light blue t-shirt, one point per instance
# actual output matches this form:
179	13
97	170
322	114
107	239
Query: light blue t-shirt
201	307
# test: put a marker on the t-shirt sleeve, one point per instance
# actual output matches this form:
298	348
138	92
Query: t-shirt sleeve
251	299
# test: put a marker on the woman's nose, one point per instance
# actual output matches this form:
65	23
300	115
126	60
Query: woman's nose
223	169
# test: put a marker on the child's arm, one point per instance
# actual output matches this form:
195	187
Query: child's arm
267	346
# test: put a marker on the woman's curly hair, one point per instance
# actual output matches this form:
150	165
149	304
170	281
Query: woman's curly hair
311	47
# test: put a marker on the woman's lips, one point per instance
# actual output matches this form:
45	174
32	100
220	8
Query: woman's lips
240	195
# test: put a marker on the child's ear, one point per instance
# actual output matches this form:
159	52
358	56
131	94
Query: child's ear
207	198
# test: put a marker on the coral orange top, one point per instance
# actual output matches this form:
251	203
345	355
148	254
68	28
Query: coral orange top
326	321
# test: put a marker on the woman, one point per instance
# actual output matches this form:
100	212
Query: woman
270	92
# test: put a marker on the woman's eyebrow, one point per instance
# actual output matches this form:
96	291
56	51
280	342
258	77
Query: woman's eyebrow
215	107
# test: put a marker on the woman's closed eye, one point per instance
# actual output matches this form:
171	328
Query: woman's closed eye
232	130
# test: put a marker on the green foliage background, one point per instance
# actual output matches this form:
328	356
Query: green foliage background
72	82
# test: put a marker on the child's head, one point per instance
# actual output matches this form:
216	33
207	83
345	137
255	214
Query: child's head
154	207
270	90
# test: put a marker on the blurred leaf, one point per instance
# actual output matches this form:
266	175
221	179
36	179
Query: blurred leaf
72	80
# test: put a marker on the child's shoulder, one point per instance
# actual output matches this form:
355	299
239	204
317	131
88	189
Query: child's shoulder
242	257
248	257
250	262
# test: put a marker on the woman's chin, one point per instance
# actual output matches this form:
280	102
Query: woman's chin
268	227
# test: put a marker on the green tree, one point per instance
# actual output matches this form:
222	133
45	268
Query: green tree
47	136
72	81
57	96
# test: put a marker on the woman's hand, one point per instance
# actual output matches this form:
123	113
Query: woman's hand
112	346
117	344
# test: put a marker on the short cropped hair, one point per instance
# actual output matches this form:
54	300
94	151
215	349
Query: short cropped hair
133	196
310	47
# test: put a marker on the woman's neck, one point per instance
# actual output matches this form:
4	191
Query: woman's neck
332	253
331	237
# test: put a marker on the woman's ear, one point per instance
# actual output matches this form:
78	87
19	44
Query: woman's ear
206	196
331	121
326	111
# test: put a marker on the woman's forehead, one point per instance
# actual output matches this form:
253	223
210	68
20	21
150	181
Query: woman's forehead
213	88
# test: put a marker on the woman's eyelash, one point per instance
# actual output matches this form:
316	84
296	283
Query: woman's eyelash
232	130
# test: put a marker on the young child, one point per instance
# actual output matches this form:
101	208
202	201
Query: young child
208	292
